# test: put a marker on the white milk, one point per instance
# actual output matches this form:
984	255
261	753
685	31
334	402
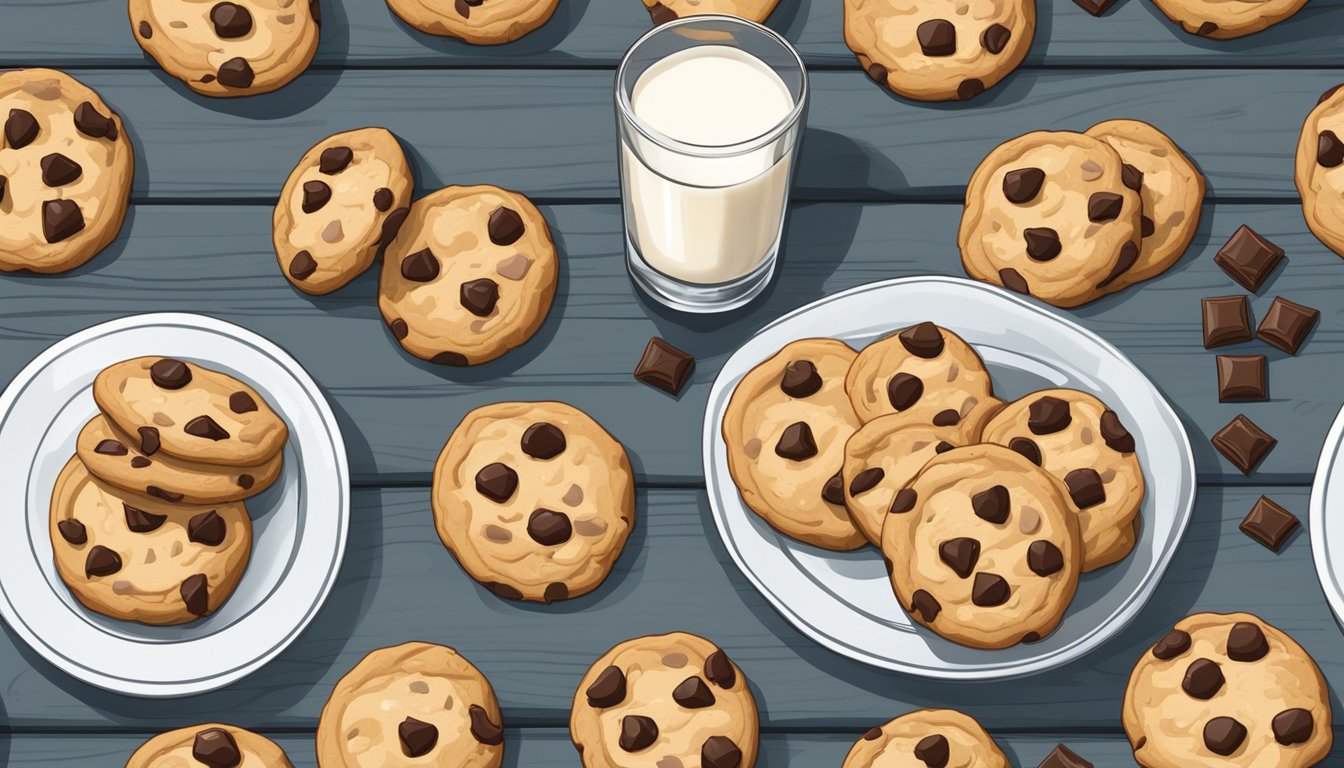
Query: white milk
707	219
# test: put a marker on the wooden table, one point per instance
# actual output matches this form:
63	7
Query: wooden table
878	195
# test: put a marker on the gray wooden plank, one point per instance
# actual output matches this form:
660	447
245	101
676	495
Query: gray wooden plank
399	583
474	126
396	412
592	32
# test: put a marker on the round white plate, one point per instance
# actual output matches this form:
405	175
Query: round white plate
843	600
299	523
1327	530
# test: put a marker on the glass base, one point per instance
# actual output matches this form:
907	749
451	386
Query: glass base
699	298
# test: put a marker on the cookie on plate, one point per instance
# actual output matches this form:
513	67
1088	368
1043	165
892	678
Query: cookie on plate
941	50
189	411
341	205
753	10
535	500
213	745
1052	214
1172	193
415	703
482	22
228	48
1319	170
65	172
1078	439
470	275
1227	689
1226	19
674	699
982	548
927	738
785	428
926	373
137	558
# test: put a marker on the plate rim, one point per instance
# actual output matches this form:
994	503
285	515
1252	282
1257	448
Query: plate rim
1316	517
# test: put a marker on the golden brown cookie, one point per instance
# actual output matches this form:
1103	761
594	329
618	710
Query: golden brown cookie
925	738
483	22
663	11
1319	170
1226	19
211	745
926	373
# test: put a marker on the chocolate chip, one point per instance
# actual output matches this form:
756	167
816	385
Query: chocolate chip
720	752
1286	325
995	38
195	592
236	73
1243	443
483	728
420	267
140	462
1085	487
1095	7
399	328
315	8
1028	448
462	8
1047	415
506	591
205	427
1329	150
926	605
1042	243
496	482
110	448
1014	281
1222	735
1246	642
1129	254
207	528
20	128
302	266
417	737
1116	437
904	501
61	219
316	194
505	226
216	748
1022	185
245	482
1248	258
664	367
872	734
167	373
555	591
878	74
1293	726
241	402
1147	226
992	504
334	160
961	555
933	750
1131	177
59	170
942	447
383	199
637	733
140	521
543	441
3	182
904	390
73	531
608	689
449	358
800	379
101	561
1227	320
1044	558
989	590
866	480
661	14
796	442
1104	206
923	340
833	492
970	88
1203	678
1269	524
719	670
231	20
946	418
937	37
1205	29
549	528
479	296
692	693
1175	643
149	440
146	31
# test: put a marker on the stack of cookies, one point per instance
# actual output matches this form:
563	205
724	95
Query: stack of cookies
986	512
148	522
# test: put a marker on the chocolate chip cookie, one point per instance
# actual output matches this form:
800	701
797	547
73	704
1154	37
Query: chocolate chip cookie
470	275
341	205
227	48
1052	214
665	700
535	500
926	373
1078	439
65	172
189	412
213	745
411	704
982	548
482	22
785	428
663	11
1226	19
1319	170
1227	689
927	738
940	50
139	558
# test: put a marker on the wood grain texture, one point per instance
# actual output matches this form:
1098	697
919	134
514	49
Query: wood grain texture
597	32
481	126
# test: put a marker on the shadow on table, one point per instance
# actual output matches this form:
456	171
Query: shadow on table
4	724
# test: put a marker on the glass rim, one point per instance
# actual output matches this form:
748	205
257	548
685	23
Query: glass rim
626	110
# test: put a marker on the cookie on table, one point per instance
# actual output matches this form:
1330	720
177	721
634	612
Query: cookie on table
411	704
927	738
674	699
116	458
228	48
663	11
926	373
137	558
469	276
1226	19
65	172
940	50
341	205
1227	689
1319	170
785	429
983	548
212	745
482	22
1078	439
1052	214
189	412
535	500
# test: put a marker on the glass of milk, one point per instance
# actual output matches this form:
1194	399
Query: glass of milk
709	110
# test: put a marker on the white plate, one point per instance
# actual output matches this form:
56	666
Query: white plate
299	523
1327	530
843	600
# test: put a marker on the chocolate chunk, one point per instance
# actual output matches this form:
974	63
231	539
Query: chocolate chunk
1242	377
216	748
110	448
969	89
637	733
167	373
1085	487
302	266
1269	524
1028	448
1286	325
236	73
692	693
548	528
796	442
506	591
479	296
904	390
1063	757
160	493
1115	435
399	328
420	267
3	182
926	605
101	561
1203	678
923	340
1095	7
872	734
1227	320
1329	150
937	37
505	226
90	122
245	482
195	592
334	160
989	590
1173	644
20	128
933	750
866	480
1246	642
608	689
554	591
316	194
992	504
719	670
140	521
73	531
449	358
496	482
1047	415
1042	243
1243	443
1293	726
1131	177
720	752
1014	281
231	20
1129	254
1222	735
800	379
961	555
391	226
315	8
207	528
417	737
383	199
146	31
61	219
1104	206
59	170
1248	258
1022	185
903	502
241	402
483	728
878	74
205	427
833	492
665	367
149	440
942	447
1206	29
946	418
462	8
1147	227
661	14
1044	558
995	38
